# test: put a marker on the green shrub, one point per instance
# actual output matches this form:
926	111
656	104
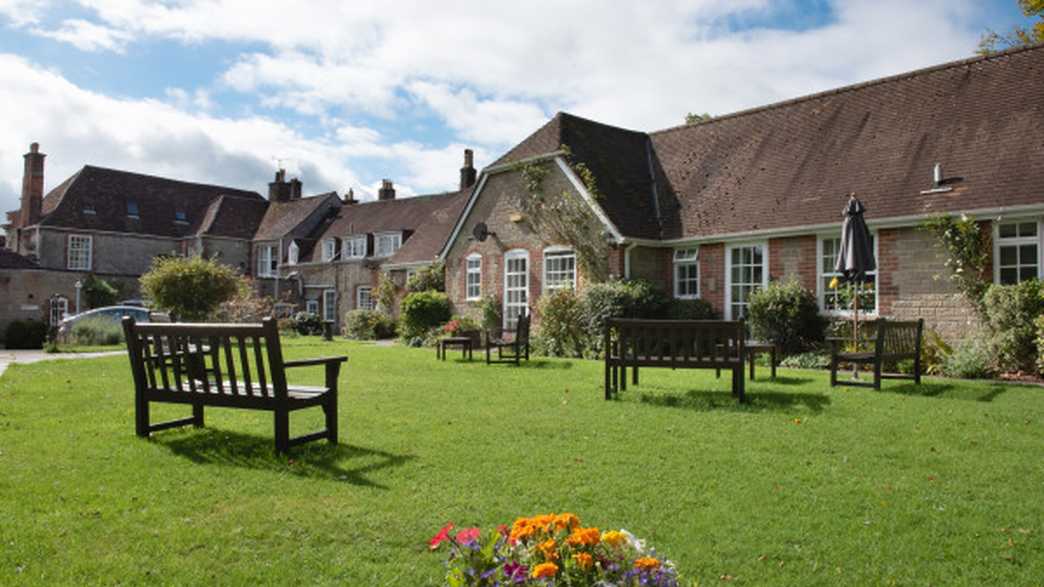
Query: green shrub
1040	345
492	319
971	359
245	306
461	326
190	288
788	315
430	278
1011	314
99	293
619	299
306	323
807	360
25	334
422	311
563	329
368	325
690	310
96	330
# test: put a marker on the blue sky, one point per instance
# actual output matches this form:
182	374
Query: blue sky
345	95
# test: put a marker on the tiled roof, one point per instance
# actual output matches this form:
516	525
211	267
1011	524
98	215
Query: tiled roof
12	260
283	217
107	192
429	218
233	217
793	163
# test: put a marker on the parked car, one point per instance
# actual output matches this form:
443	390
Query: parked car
114	313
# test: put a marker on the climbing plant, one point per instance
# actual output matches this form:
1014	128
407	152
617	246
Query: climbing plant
967	249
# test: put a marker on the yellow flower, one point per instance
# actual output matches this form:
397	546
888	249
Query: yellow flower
583	560
549	548
646	563
566	520
834	283
614	538
584	537
544	570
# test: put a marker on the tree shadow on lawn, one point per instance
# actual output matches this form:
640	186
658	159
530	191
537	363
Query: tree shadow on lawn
986	392
536	364
314	460
707	400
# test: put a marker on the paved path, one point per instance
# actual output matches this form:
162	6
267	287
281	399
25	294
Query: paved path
8	357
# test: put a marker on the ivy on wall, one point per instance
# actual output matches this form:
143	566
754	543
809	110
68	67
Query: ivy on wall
967	249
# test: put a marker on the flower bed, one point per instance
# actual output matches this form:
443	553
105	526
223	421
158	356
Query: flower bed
550	549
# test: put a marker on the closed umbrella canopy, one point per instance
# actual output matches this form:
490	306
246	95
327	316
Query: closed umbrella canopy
856	257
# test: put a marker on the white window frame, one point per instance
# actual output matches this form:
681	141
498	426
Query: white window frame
266	256
312	307
351	247
822	275
293	253
1017	241
728	270
560	253
682	258
329	250
506	306
330	305
469	271
395	236
359	297
86	260
61	304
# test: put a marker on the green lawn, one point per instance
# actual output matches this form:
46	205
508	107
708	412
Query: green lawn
940	484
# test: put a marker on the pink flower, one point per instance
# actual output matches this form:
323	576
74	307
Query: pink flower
440	537
467	535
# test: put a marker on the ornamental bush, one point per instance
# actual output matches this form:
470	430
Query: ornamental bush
96	330
1040	345
25	334
563	328
971	359
99	293
788	315
368	325
189	288
1011	314
690	310
430	278
422	311
306	323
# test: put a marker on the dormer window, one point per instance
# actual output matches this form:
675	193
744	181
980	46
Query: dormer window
329	250
132	209
355	247
388	243
180	216
88	208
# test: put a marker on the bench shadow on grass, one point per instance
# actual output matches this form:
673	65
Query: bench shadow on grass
705	400
342	463
987	392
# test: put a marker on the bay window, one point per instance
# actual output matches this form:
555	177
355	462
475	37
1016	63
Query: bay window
267	260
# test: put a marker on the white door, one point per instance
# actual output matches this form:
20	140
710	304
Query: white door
516	287
746	270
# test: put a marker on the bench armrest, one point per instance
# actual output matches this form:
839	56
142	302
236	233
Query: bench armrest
314	362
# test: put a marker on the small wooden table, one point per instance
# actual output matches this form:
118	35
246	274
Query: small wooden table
756	347
463	342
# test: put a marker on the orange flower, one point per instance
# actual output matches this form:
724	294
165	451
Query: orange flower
584	537
543	522
522	528
566	521
614	538
549	548
583	560
544	570
646	563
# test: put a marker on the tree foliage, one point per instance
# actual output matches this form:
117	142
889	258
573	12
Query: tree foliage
1020	36
430	278
190	288
967	249
693	118
99	293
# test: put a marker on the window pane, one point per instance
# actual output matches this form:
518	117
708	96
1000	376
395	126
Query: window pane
1027	273
1008	256
1009	276
1028	229
1007	230
1028	254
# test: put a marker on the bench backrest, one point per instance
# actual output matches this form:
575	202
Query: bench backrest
899	339
676	342
209	358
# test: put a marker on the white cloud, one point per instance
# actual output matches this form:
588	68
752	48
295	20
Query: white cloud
87	36
490	122
23	12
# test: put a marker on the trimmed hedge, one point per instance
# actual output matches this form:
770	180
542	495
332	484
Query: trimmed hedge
25	334
788	315
368	325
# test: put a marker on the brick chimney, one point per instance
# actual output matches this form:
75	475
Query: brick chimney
387	191
32	187
349	198
468	173
279	190
295	189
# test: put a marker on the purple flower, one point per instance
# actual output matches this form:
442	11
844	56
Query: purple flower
515	571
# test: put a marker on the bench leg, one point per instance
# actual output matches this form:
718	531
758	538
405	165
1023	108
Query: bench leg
742	386
330	411
634	375
772	357
141	417
197	415
751	355
833	370
282	430
623	377
877	375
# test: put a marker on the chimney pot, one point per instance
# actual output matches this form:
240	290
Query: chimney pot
349	198
279	190
468	173
295	189
387	191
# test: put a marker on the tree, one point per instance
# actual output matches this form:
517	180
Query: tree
430	278
99	293
190	288
993	42
693	118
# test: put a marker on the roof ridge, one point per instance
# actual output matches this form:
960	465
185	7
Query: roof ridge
168	179
857	86
407	198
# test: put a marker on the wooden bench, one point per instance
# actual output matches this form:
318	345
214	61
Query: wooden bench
675	344
517	347
895	341
224	365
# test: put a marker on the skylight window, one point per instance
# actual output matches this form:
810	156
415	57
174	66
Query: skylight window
180	216
132	208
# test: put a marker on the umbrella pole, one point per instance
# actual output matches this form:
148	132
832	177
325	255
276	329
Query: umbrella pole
855	330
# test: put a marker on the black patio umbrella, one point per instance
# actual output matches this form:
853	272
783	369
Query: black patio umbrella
856	257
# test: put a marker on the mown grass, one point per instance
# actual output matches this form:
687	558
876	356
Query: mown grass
937	484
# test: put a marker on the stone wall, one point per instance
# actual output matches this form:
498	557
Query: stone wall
116	254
